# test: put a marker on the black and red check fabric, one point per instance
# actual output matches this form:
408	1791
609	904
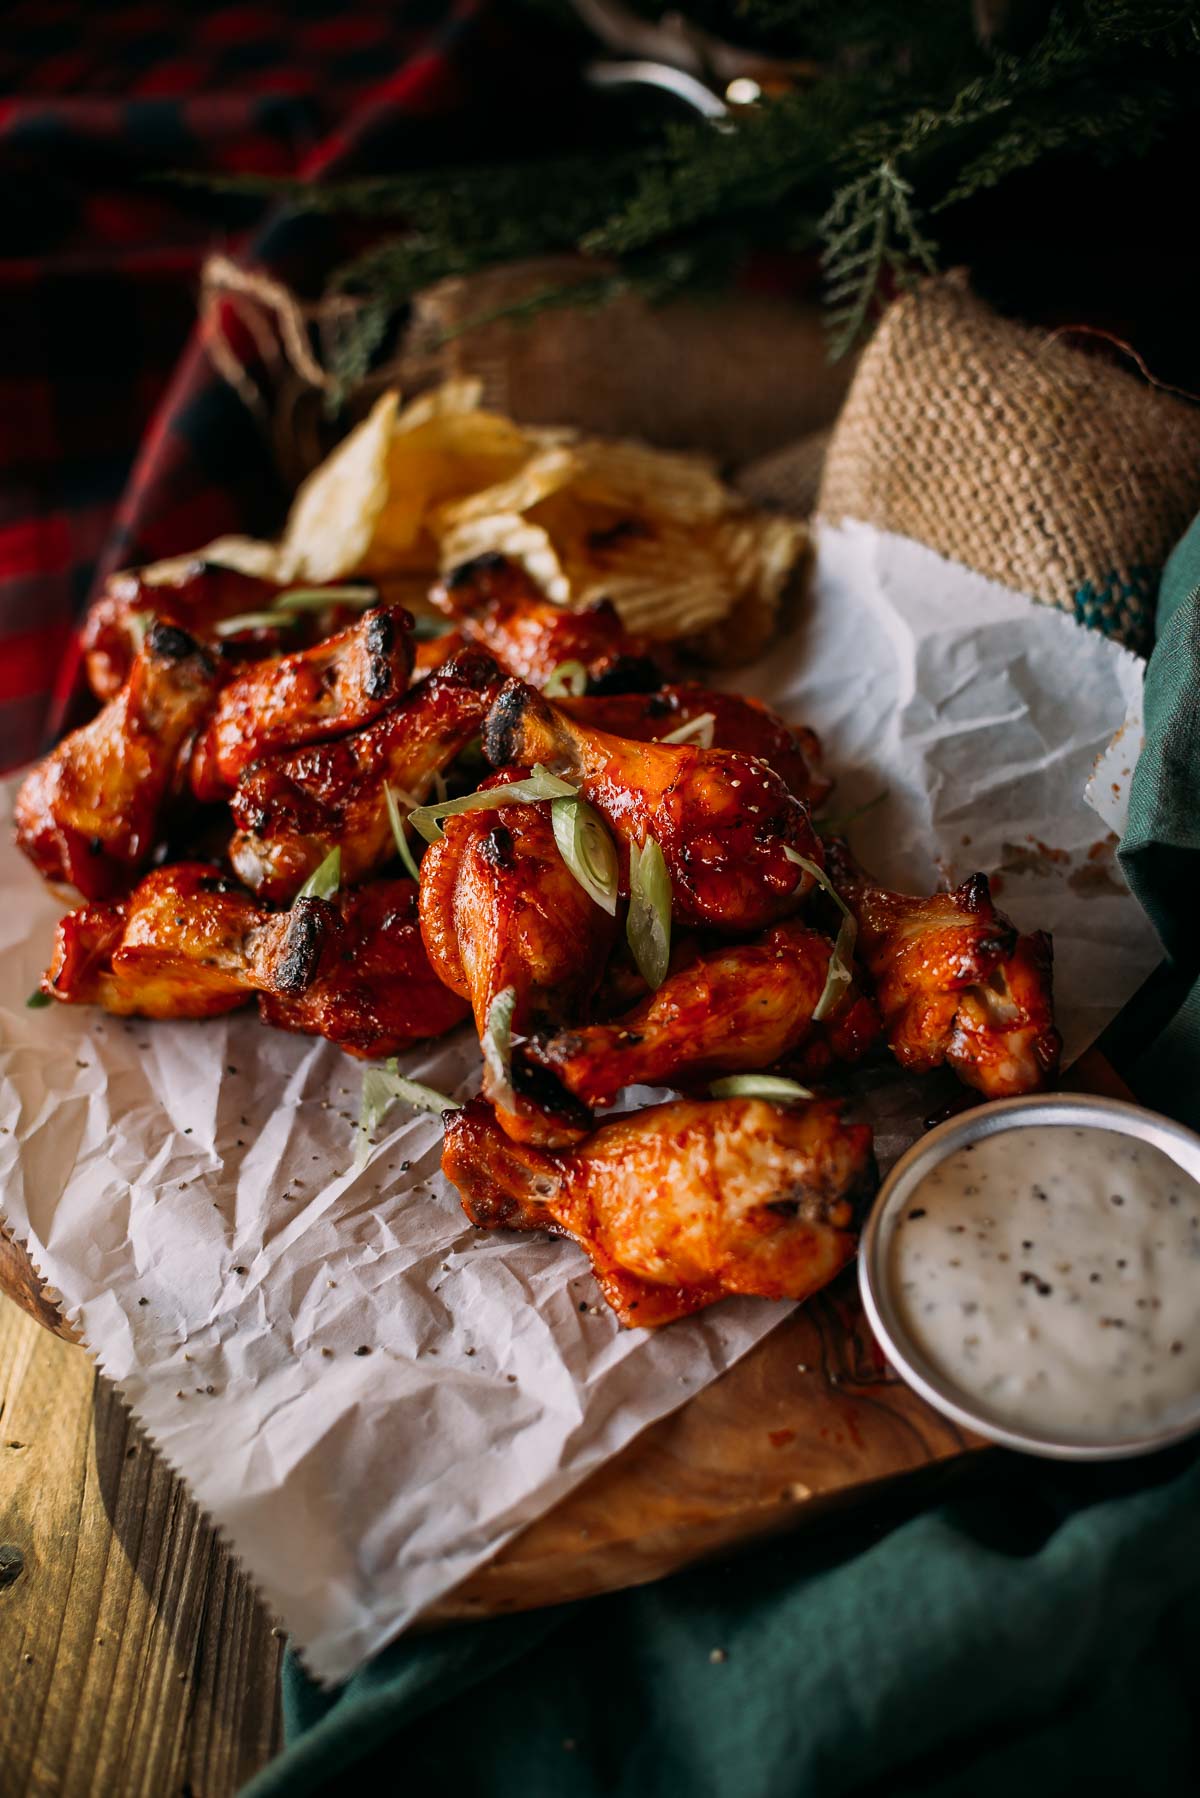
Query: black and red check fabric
118	440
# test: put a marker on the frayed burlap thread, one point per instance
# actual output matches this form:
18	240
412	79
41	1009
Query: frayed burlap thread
1009	450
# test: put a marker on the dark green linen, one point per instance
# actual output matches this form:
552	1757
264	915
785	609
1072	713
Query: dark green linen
1160	851
1040	1633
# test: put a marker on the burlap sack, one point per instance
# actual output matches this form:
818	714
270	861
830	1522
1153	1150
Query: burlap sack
1053	471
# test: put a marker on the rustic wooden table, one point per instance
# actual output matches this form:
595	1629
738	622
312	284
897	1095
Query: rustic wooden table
136	1662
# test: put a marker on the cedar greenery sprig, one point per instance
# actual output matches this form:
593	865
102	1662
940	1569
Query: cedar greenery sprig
913	115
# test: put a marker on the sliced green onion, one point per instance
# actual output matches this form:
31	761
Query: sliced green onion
648	926
399	834
496	1044
254	621
838	825
324	881
839	973
384	1087
697	730
38	1001
541	784
428	630
588	850
316	599
139	627
568	681
758	1086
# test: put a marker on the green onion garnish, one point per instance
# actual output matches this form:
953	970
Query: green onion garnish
384	1087
399	834
588	850
254	621
541	784
758	1086
316	599
38	1001
496	1044
698	730
324	881
840	823
568	681
139	627
839	973
648	927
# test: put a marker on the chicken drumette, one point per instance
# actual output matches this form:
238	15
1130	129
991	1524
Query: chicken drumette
501	910
724	821
793	751
681	1204
737	1008
285	702
954	982
493	602
292	808
90	813
374	993
186	943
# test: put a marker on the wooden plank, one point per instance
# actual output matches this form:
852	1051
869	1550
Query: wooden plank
135	1657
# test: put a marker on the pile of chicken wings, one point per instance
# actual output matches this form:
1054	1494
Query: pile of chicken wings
244	735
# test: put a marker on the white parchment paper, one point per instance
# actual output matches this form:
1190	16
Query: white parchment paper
369	1396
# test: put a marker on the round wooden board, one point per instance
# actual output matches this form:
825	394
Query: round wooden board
809	1419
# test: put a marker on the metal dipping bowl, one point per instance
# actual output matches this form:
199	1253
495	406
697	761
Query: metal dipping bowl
933	1383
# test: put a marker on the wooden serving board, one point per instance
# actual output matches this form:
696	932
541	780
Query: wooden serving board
810	1420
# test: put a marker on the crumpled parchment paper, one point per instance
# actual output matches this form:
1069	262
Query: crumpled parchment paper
368	1395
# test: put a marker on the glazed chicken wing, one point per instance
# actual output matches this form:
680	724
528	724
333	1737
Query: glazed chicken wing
500	909
292	808
186	943
681	1204
953	983
734	1009
375	993
496	604
287	701
91	812
737	723
197	596
723	820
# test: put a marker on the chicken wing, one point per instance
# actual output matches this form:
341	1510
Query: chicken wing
91	812
681	1204
375	993
499	908
196	596
496	604
292	808
953	982
287	701
735	1009
186	943
724	821
737	723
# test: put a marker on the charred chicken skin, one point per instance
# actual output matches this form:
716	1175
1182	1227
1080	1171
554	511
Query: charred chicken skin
197	597
500	909
793	751
287	701
90	813
723	820
496	604
681	1204
737	1008
374	993
954	983
292	808
186	943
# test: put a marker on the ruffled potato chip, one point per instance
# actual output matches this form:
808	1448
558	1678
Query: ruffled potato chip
413	493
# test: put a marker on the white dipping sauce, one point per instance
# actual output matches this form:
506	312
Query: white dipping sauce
1052	1274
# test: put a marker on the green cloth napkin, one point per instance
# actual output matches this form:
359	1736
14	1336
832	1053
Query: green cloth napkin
1160	851
1037	1634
